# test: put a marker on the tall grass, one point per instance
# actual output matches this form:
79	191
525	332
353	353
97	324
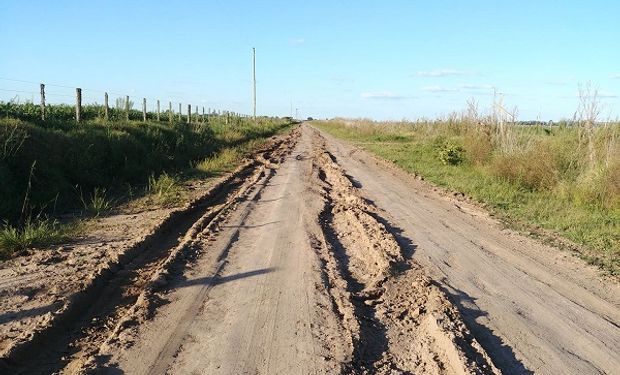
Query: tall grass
83	166
57	166
221	162
548	176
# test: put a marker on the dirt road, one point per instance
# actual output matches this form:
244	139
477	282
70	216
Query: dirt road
316	259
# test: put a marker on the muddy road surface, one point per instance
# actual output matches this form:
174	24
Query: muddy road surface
316	258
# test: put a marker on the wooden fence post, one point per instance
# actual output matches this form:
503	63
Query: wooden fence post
170	112
157	109
189	113
42	102
144	109
106	107
127	107
78	104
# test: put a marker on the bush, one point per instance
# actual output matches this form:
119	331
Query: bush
451	154
599	186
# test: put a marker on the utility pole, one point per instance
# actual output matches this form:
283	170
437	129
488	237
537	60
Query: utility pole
254	82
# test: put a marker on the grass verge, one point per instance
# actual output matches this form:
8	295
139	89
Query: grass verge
544	182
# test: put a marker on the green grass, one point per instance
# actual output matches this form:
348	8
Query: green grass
33	234
97	202
165	189
224	161
525	190
53	167
86	166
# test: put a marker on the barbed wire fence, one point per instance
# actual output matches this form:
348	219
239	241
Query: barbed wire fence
107	105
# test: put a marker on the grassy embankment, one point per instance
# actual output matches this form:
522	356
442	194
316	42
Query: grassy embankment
531	176
57	166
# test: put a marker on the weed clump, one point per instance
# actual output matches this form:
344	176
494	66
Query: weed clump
97	202
35	233
164	189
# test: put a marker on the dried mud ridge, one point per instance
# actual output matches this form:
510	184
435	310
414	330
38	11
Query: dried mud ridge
396	319
125	293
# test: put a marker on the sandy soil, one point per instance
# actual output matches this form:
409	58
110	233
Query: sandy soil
314	257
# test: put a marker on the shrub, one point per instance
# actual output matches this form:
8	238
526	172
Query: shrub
599	186
451	154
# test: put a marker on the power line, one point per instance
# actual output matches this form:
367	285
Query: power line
22	91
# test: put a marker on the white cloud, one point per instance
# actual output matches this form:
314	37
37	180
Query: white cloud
297	41
477	87
615	76
439	89
607	94
381	95
441	73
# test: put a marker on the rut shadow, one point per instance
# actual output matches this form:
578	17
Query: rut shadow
252	226
355	182
503	356
406	245
19	315
274	199
215	280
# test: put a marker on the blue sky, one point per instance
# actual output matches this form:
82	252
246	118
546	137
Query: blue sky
377	59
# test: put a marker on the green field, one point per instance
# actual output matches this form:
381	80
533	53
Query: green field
530	176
